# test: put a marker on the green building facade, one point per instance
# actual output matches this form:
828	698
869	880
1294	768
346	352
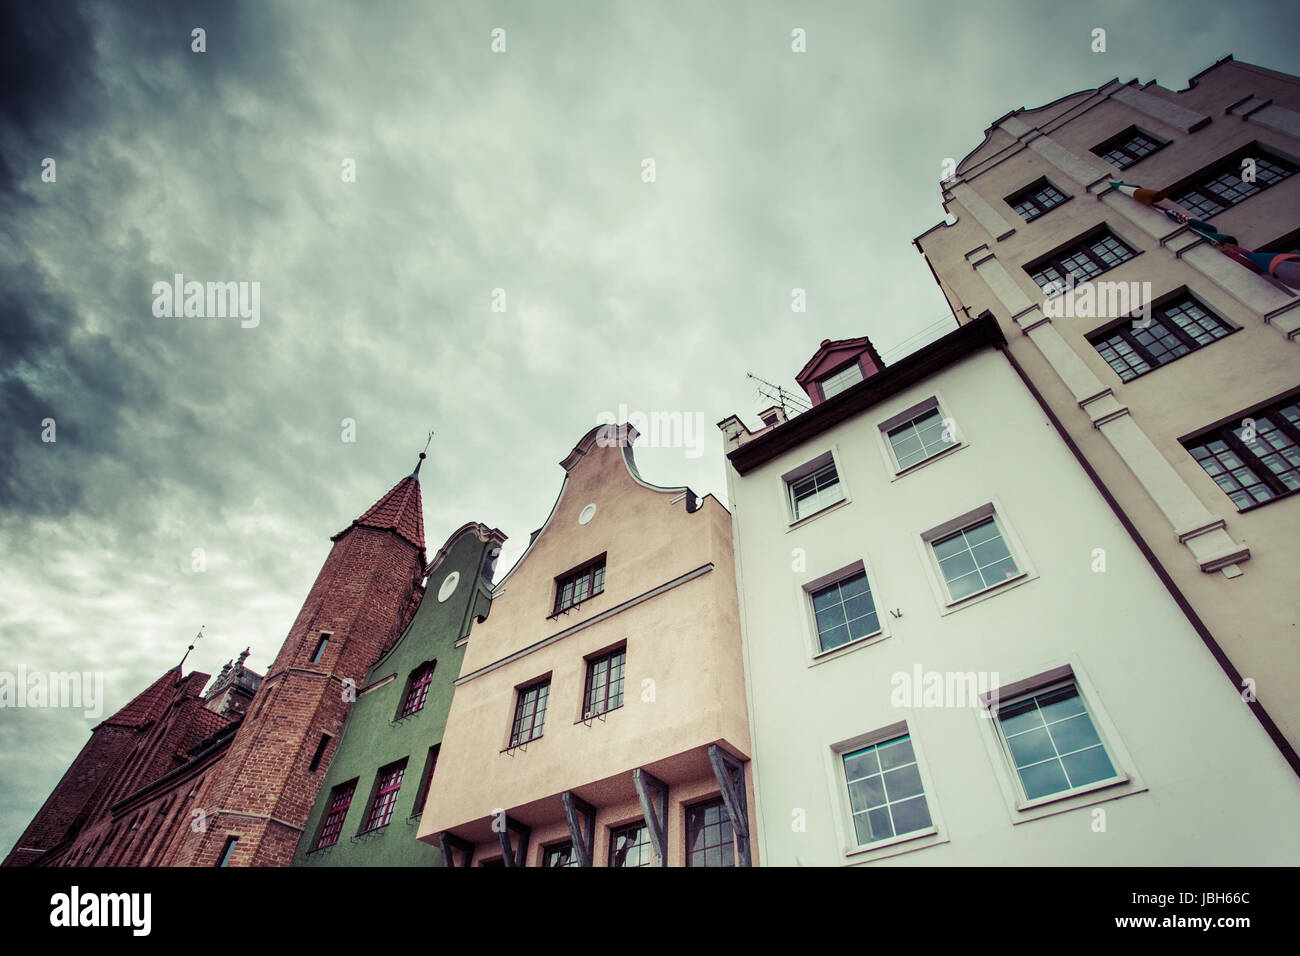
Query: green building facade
368	807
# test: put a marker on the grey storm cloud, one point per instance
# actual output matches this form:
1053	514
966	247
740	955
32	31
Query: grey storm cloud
519	171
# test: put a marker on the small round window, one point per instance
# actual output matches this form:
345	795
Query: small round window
448	586
587	514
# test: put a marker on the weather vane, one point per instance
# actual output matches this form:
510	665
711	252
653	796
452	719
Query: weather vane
197	638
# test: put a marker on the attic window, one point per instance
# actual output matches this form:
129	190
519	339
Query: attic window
837	382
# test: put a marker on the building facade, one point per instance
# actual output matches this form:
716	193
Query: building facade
599	716
1174	367
131	788
371	799
956	653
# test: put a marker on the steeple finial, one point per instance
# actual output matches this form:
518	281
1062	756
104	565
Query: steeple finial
416	474
191	647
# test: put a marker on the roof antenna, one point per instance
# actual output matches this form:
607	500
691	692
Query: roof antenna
416	474
191	647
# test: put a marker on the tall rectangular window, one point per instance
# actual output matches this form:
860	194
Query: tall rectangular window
417	690
426	778
576	586
837	382
1234	180
709	837
886	795
1052	743
816	491
974	559
629	846
604	683
530	713
844	611
1126	148
340	800
1256	458
1177	328
320	648
227	851
1036	199
387	786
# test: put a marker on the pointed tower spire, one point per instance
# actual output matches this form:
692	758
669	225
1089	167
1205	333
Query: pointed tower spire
400	511
416	474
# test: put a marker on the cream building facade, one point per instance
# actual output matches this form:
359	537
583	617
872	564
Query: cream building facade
599	718
1172	367
957	654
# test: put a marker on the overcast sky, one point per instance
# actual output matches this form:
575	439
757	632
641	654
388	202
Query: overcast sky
521	171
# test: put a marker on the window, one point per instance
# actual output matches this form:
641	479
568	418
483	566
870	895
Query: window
629	846
426	778
227	851
709	840
1257	459
340	800
560	854
604	683
575	587
844	611
974	559
1128	147
886	796
1084	260
816	491
530	713
418	690
1222	185
919	438
1036	199
320	753
320	648
1052	743
388	783
1178	327
838	381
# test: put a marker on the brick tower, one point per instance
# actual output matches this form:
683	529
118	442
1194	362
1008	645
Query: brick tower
255	807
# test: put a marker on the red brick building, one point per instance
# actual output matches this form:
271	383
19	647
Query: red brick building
179	777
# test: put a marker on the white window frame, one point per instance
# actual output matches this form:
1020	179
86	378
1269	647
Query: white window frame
854	852
830	456
862	377
990	509
935	401
1022	809
803	597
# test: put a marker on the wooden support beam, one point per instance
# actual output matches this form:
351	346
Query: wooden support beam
519	855
730	773
449	842
576	812
653	794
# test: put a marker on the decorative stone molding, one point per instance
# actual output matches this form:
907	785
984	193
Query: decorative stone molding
1171	114
984	214
1203	533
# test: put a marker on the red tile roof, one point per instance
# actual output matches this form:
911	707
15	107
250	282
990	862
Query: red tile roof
150	704
400	511
205	723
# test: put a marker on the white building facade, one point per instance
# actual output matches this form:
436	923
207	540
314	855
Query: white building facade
955	652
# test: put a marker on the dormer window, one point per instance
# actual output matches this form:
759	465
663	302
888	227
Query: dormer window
838	381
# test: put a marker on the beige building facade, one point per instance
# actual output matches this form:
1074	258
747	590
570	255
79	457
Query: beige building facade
1172	367
599	718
